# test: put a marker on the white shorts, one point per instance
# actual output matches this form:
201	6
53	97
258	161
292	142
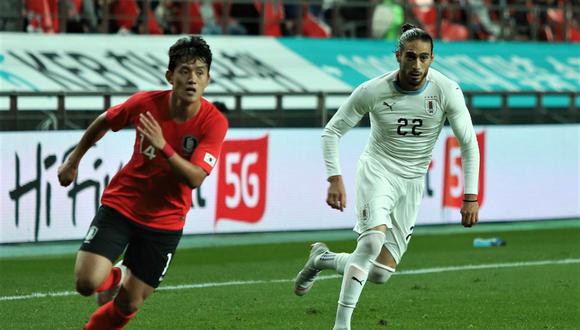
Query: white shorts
383	198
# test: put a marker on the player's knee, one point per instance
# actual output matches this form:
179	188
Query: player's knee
133	306
87	280
380	273
86	286
370	243
128	305
129	302
379	277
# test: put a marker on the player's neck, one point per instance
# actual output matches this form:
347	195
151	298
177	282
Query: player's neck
181	111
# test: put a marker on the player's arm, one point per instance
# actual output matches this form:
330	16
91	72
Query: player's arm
114	119
206	153
347	116
462	126
190	174
96	130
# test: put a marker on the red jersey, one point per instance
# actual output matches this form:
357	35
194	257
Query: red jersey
146	190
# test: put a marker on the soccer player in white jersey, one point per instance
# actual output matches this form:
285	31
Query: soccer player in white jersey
407	110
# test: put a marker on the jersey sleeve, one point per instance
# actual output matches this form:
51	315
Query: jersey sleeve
208	151
123	115
460	122
347	116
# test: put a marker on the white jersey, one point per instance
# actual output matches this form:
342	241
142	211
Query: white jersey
405	126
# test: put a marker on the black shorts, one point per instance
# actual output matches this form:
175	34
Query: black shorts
148	251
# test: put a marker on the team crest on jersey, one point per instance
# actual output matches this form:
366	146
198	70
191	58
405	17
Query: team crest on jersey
189	144
364	213
431	104
91	234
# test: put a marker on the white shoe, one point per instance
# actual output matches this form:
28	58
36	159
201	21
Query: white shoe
305	279
104	297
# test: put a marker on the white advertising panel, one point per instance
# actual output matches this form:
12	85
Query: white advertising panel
274	180
117	63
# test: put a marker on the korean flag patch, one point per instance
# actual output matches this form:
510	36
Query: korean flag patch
210	159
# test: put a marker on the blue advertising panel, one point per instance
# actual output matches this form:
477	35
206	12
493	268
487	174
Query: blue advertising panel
476	66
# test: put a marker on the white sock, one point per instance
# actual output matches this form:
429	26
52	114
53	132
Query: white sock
368	247
352	284
331	260
380	273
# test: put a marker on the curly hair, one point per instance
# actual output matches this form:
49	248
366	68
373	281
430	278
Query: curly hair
189	48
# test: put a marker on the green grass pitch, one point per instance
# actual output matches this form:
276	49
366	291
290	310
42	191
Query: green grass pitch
442	283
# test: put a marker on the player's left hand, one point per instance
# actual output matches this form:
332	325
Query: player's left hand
469	213
151	130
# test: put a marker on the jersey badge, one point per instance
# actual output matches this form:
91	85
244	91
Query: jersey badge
364	213
209	158
189	144
431	104
91	234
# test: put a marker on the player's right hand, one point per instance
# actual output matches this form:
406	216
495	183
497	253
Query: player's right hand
336	196
469	214
67	172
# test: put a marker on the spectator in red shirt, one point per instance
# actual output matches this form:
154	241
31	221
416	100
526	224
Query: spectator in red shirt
42	16
179	135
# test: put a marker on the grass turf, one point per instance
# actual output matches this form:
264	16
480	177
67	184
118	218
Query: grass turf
519	297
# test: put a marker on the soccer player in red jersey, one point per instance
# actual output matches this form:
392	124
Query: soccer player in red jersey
179	135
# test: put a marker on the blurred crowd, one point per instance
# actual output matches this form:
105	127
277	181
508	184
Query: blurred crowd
544	20
548	20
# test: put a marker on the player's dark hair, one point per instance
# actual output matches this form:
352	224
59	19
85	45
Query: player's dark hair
187	49
410	32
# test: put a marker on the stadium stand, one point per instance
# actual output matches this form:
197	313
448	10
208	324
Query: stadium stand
551	21
542	20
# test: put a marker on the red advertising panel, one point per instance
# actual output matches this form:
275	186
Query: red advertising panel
242	177
453	175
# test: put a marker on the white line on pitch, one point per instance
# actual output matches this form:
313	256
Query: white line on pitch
250	282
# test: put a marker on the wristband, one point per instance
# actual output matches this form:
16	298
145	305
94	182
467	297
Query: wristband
470	201
167	151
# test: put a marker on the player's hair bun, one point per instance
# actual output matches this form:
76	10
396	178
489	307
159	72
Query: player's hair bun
407	27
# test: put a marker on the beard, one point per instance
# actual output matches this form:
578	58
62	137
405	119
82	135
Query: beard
411	80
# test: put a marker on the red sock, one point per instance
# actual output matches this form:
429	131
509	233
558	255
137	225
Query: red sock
108	317
111	281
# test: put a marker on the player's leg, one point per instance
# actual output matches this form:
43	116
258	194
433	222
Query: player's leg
306	276
337	262
385	258
377	194
320	258
369	245
147	259
91	270
378	270
111	286
382	268
403	218
369	185
332	260
104	242
116	313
